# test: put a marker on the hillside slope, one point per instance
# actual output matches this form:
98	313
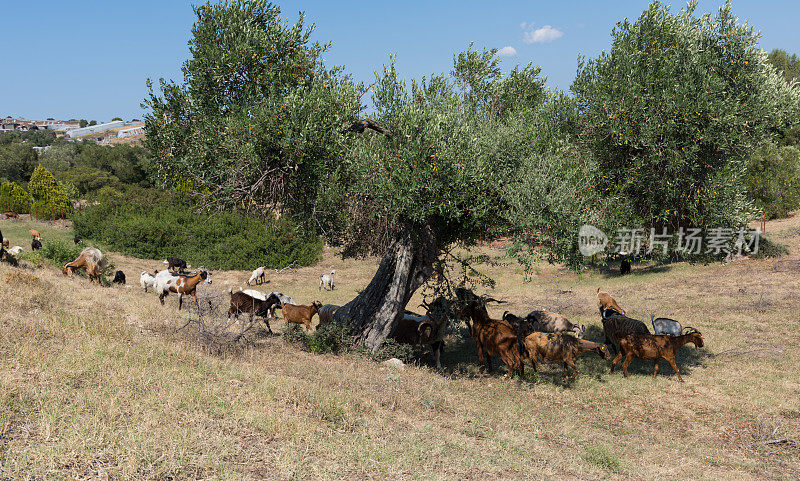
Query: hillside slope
93	385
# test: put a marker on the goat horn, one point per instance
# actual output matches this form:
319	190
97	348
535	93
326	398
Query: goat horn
492	299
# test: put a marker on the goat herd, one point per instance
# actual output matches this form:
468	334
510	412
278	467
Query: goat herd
539	336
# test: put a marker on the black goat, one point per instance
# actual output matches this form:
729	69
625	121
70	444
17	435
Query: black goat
77	240
175	263
36	244
119	277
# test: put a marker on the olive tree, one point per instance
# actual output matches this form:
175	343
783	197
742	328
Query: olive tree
261	123
671	112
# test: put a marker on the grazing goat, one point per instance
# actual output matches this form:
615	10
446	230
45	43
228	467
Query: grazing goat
175	263
491	336
147	280
167	282
90	259
543	321
11	215
651	347
559	348
300	314
77	240
327	281
35	234
36	244
282	297
427	330
326	313
257	275
15	251
119	277
624	267
663	325
616	327
607	303
5	241
244	303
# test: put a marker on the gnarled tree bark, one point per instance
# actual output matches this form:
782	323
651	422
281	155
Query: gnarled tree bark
405	266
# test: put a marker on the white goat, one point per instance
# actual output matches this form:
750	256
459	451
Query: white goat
257	275
15	251
327	281
147	280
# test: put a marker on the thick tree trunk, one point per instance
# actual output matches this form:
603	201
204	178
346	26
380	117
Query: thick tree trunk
406	265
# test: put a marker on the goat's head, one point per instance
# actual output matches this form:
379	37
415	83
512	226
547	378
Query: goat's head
426	330
204	274
604	352
316	305
509	317
579	331
67	270
695	336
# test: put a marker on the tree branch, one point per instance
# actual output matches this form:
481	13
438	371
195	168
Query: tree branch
360	125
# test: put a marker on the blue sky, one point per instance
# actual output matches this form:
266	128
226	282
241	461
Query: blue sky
90	59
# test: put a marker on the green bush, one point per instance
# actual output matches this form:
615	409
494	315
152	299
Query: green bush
59	253
773	180
49	200
142	223
13	197
769	249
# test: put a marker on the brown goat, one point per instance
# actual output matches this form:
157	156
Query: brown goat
181	285
242	303
560	348
427	330
492	337
605	302
90	259
11	215
654	347
35	234
300	314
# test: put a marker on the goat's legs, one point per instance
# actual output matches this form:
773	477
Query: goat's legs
180	301
671	362
574	367
437	353
655	368
626	363
616	361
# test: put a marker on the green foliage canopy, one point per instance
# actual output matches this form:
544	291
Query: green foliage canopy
671	114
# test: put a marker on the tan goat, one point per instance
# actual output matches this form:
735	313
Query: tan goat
90	259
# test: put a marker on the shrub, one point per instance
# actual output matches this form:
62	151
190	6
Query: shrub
49	200
773	180
13	197
140	226
59	253
769	249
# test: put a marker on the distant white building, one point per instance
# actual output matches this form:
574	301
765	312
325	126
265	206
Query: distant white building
93	129
136	130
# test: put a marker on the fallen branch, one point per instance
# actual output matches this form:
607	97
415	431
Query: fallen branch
774	441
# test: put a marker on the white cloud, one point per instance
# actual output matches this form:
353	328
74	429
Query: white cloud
507	51
542	35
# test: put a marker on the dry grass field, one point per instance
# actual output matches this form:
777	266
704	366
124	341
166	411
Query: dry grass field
93	385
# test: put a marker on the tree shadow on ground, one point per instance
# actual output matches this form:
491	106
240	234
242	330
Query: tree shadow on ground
611	270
